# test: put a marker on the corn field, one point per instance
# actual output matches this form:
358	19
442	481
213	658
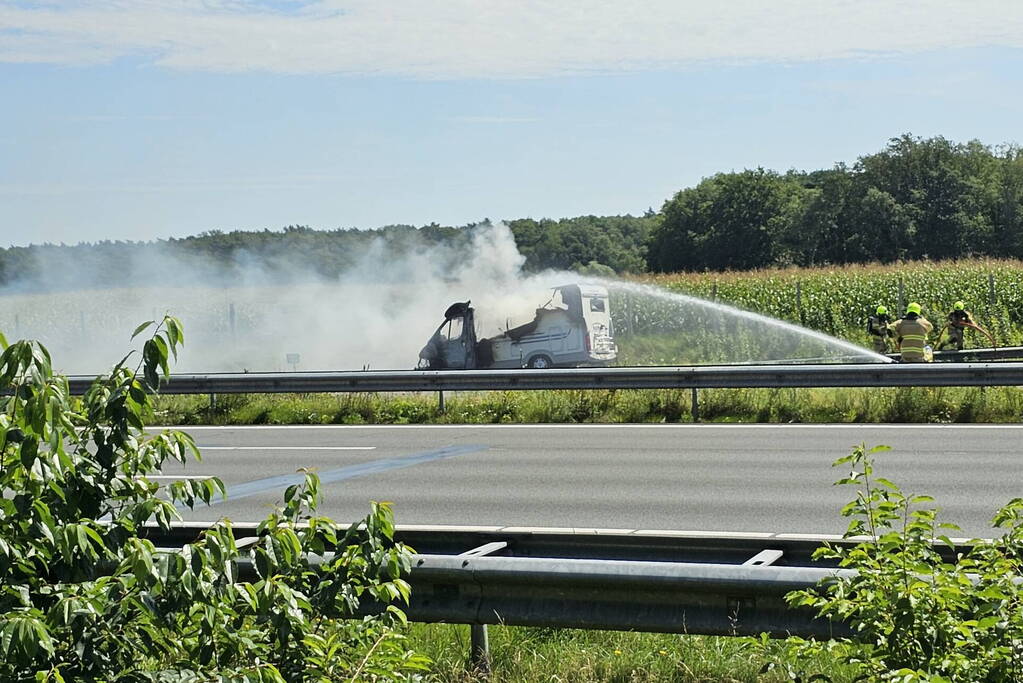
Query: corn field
837	301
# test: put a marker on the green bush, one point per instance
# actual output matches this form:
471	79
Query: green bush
83	594
914	616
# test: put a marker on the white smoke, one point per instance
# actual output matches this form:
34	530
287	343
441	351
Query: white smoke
376	315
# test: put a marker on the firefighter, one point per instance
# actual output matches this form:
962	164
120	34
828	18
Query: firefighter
879	328
958	320
911	334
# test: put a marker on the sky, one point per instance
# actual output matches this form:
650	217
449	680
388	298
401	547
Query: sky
146	119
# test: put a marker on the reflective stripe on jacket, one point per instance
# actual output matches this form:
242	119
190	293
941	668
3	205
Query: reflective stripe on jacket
912	333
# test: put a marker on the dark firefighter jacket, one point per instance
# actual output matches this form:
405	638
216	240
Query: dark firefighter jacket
959	318
877	326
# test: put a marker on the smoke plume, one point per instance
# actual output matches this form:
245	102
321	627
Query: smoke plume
376	315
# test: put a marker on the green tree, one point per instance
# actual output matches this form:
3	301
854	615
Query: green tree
1007	215
885	233
618	242
943	187
729	221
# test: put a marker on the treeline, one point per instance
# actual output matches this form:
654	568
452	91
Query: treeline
600	245
214	257
916	199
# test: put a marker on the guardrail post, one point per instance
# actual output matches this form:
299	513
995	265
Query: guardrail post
213	402
799	303
440	401
696	405
479	648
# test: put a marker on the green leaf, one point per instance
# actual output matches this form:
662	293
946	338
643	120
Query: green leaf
175	334
141	328
290	492
28	452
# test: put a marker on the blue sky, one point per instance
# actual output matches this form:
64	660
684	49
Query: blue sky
147	119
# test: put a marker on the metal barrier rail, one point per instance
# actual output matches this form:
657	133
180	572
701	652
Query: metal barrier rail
600	579
639	545
976	355
664	597
683	377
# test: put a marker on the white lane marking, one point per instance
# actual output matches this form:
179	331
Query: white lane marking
286	448
178	477
704	426
704	534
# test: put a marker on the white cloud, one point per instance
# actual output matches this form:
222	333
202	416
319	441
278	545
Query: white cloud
491	38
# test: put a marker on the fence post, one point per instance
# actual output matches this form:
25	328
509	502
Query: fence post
799	302
714	291
991	290
696	405
479	648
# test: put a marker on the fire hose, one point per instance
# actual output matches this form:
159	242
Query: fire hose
974	326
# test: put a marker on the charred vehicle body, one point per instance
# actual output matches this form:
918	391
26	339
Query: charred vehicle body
573	329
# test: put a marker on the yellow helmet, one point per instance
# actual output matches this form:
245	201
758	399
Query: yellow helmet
913	308
959	305
881	310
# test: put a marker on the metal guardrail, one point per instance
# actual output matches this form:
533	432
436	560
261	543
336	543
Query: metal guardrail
649	545
666	597
671	582
683	377
975	355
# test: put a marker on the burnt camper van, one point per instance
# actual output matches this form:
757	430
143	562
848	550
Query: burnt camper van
573	329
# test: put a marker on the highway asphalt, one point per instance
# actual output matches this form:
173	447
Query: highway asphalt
734	478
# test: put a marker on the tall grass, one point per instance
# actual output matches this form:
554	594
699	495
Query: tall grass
888	405
572	656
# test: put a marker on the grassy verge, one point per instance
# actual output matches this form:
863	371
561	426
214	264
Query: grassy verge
915	404
546	654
